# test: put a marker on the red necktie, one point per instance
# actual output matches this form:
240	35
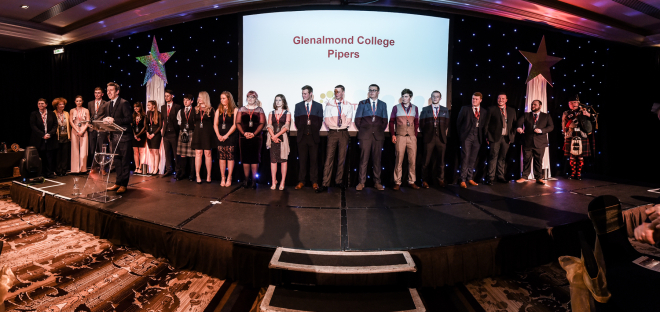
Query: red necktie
476	113
168	111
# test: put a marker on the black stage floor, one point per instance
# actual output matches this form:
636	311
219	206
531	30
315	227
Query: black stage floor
366	220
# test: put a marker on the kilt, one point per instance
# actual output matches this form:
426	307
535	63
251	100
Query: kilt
185	149
586	146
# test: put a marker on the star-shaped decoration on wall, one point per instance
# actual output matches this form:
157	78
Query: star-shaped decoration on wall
155	62
540	63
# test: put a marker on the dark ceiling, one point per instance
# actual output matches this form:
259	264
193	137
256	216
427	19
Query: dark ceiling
57	22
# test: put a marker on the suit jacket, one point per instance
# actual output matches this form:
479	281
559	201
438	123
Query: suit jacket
427	120
38	131
532	139
123	115
494	123
465	123
172	118
315	116
102	113
366	127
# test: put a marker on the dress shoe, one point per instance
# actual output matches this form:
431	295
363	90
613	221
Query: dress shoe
442	183
121	190
463	185
359	187
425	185
315	186
321	189
245	184
396	187
540	181
300	185
471	182
521	180
113	188
414	186
254	185
179	177
167	173
379	187
488	182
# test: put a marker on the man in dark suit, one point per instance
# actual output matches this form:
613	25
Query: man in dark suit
470	124
534	127
97	111
120	113
434	124
308	118
170	132
44	137
500	133
371	122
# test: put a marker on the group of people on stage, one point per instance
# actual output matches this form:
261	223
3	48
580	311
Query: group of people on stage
193	132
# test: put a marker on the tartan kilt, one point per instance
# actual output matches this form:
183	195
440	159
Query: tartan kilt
586	147
185	149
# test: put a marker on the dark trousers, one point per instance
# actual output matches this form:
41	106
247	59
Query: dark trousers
123	162
469	153
308	150
438	161
337	144
370	148
185	165
170	142
47	162
95	144
497	158
63	158
537	155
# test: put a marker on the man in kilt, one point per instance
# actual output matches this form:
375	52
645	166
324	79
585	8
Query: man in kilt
578	124
186	120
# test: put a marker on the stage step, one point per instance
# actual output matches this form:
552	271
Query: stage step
342	262
344	299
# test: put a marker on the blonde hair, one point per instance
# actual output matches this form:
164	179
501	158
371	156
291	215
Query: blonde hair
204	96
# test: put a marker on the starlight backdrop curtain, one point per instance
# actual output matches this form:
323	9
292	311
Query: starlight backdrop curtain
536	90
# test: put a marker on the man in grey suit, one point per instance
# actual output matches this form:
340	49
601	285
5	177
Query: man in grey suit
97	111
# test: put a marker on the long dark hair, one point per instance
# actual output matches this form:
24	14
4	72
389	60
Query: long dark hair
140	113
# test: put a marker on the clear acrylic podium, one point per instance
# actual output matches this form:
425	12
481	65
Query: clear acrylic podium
97	181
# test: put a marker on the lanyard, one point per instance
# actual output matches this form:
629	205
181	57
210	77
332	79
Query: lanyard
151	118
277	117
44	116
373	111
61	117
224	114
435	115
407	112
168	110
250	113
308	110
187	114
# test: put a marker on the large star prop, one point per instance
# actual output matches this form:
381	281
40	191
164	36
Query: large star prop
155	62
540	63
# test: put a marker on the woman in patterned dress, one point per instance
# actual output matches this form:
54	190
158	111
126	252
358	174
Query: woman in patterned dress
279	121
225	130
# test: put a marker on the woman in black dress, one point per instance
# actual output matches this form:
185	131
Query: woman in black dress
279	121
225	129
204	138
139	135
250	120
154	124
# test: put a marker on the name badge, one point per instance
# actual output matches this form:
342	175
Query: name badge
373	118
408	123
577	128
224	126
201	125
79	124
151	129
309	122
185	130
62	128
435	123
187	126
250	124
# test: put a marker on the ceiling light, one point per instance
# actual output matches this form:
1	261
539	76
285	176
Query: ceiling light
24	6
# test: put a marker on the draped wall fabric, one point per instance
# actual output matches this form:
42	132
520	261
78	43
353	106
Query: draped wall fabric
536	90
156	92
